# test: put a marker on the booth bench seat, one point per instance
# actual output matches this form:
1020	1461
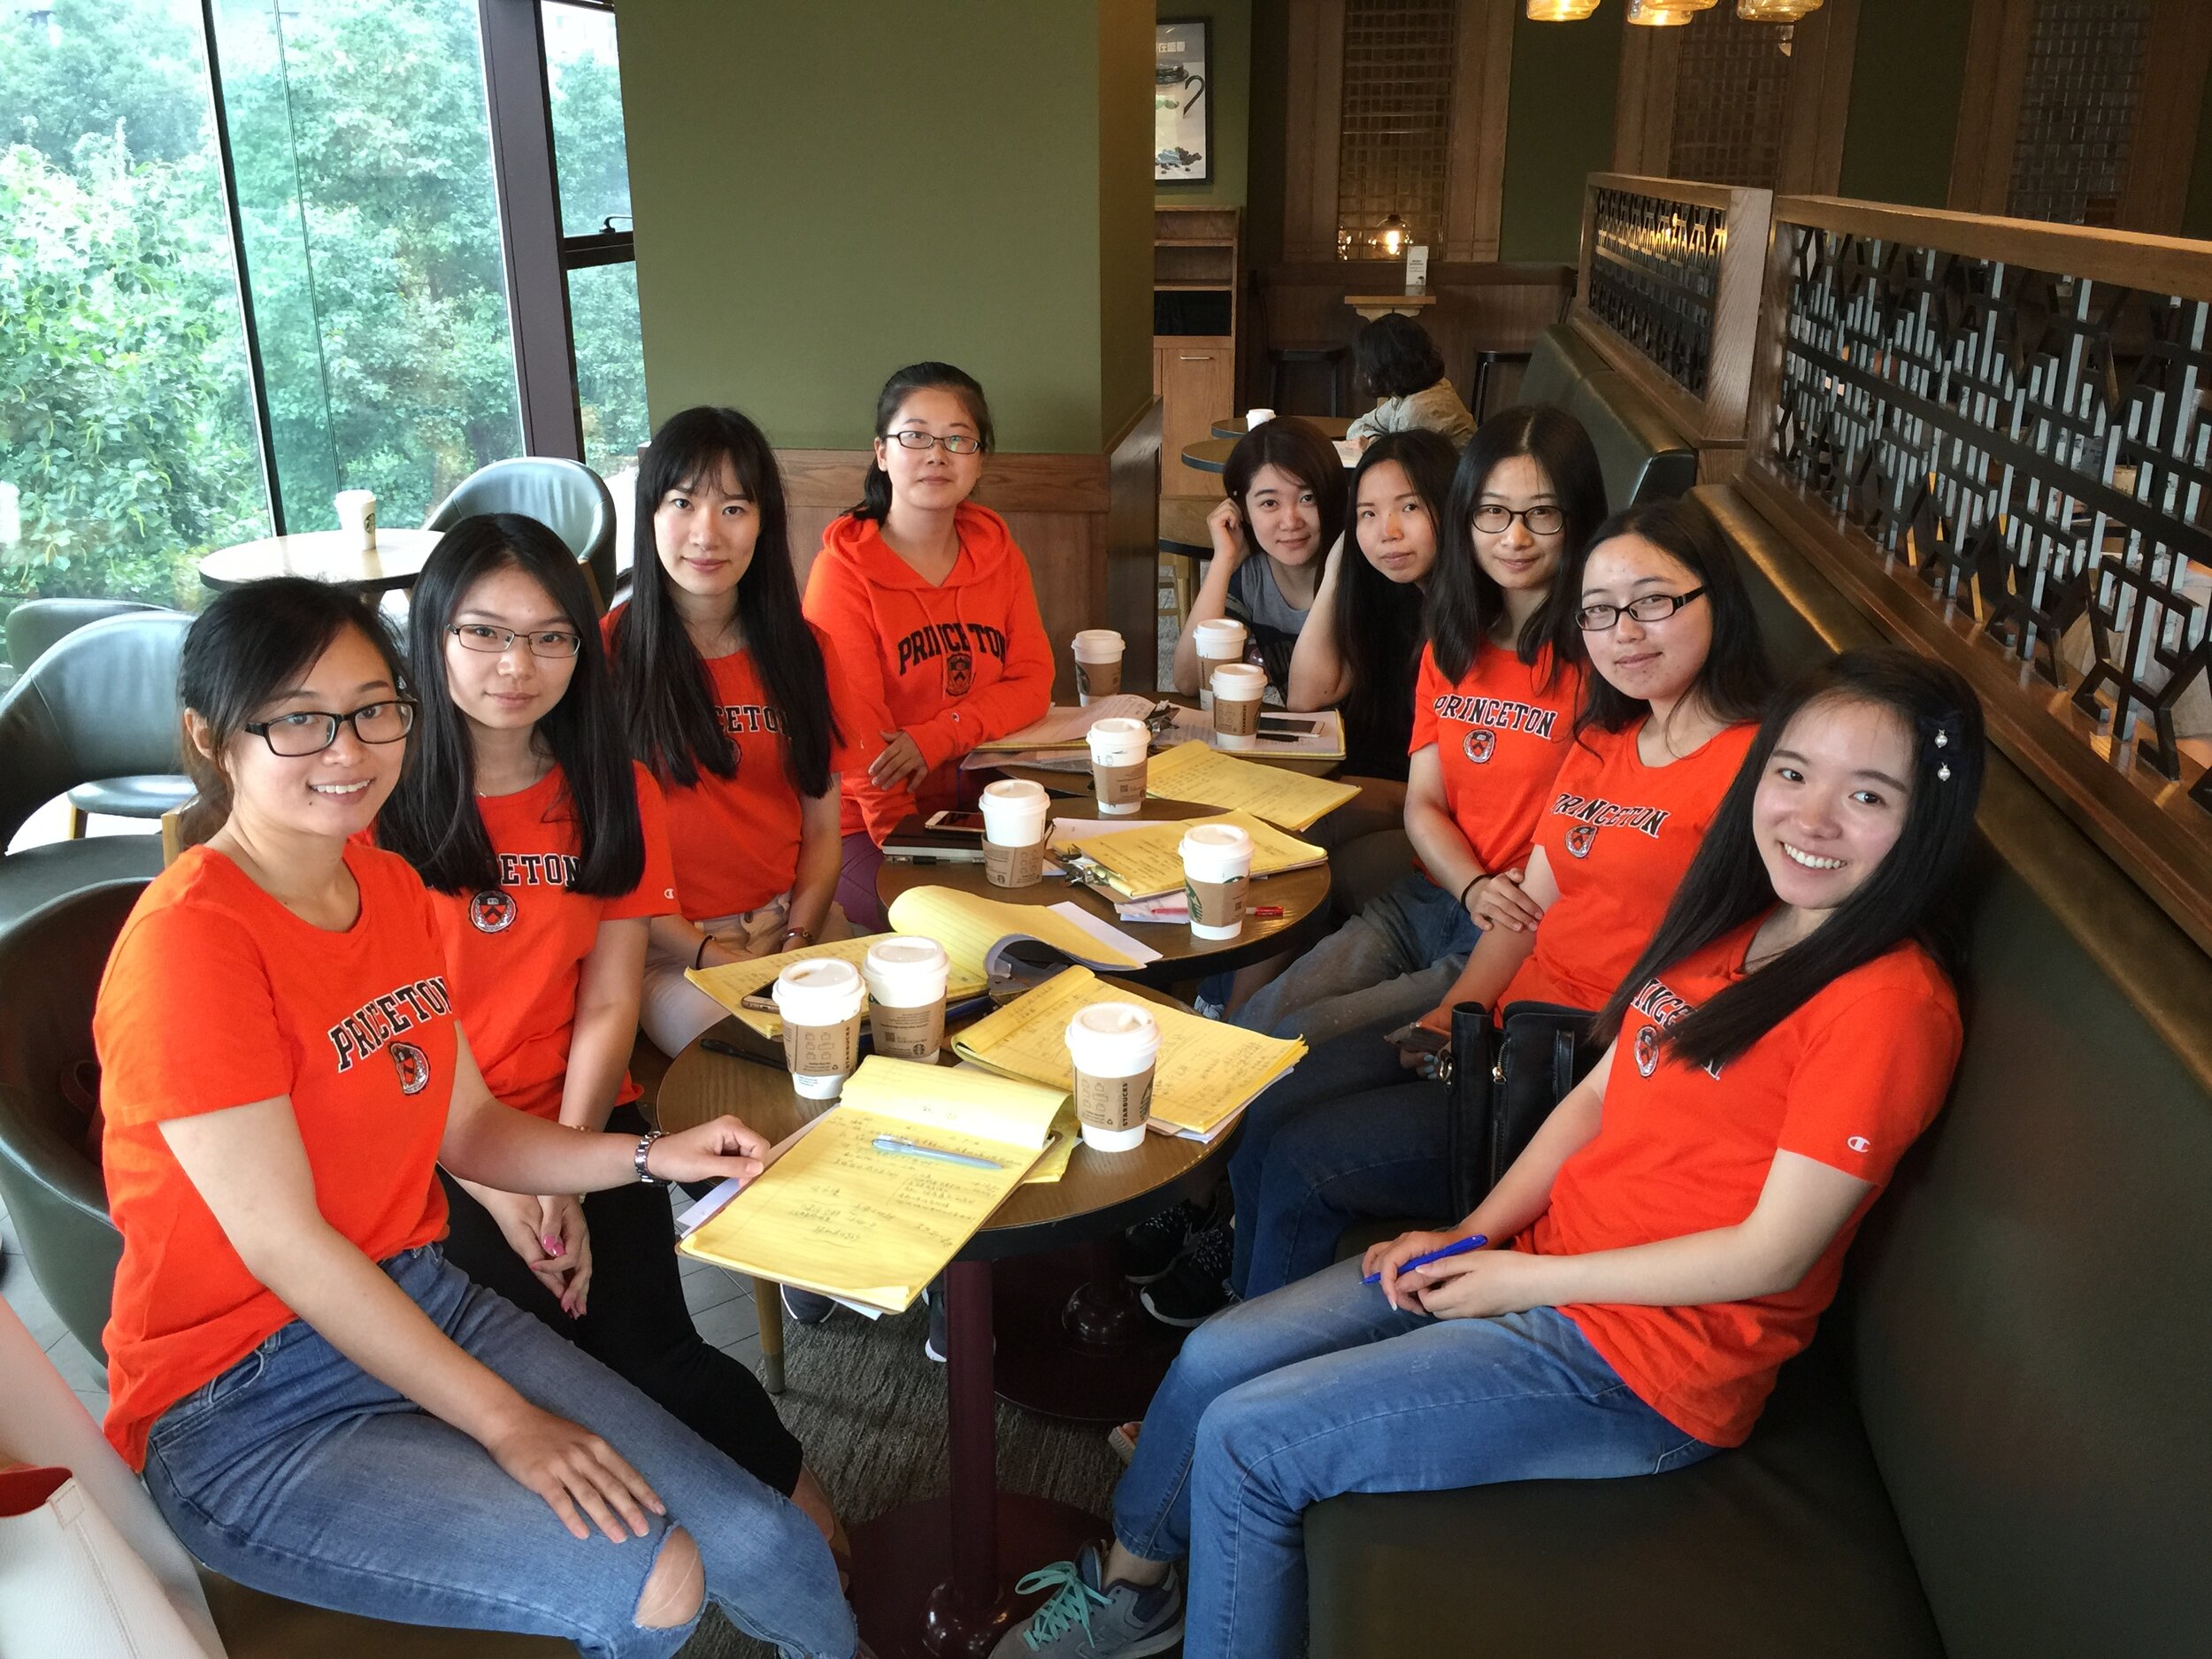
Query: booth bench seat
1999	1444
1641	455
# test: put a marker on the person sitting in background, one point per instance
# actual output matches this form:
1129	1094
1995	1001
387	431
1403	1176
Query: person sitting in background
324	1407
1282	511
934	603
1399	364
1666	1242
545	848
743	711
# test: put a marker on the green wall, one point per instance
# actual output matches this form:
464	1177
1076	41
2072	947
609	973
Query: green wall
1229	87
1559	129
826	191
1907	78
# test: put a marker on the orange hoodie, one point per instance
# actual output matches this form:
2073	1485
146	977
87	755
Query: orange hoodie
955	664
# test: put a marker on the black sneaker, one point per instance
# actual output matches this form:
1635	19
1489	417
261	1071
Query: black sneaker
1149	1248
806	1307
938	1343
1197	1286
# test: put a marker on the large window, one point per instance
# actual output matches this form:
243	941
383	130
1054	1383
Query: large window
128	446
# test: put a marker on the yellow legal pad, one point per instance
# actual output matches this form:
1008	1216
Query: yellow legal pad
835	1215
1142	862
971	929
1192	772
1206	1074
731	984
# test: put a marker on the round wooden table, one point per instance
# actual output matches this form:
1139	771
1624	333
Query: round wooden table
936	1577
1233	426
328	555
1183	525
1302	895
1211	454
1371	306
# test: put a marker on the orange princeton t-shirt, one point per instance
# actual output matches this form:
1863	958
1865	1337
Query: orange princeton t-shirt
1851	1078
216	996
735	841
1618	836
1500	735
517	951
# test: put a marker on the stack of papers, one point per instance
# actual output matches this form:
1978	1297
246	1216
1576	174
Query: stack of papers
1063	727
1206	1074
731	983
975	931
1142	862
1323	742
1192	772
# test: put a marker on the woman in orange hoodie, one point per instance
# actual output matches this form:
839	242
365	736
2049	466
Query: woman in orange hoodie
937	586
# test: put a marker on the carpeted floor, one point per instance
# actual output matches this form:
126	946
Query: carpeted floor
869	1408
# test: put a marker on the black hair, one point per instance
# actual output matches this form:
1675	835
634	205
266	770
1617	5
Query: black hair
1464	603
1290	445
875	486
1377	620
667	698
431	819
1396	358
1727	883
1738	677
247	648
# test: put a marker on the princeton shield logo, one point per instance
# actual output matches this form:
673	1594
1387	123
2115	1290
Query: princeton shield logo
492	910
413	1066
1580	839
959	673
1647	1050
1480	743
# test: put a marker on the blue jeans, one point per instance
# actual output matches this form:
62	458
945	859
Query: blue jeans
297	1473
1320	1389
1390	964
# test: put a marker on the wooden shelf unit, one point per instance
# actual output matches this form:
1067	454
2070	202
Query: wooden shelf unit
1197	283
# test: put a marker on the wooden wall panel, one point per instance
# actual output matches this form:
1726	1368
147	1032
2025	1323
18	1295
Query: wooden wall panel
1482	89
1989	106
1643	113
1313	124
1822	51
2164	145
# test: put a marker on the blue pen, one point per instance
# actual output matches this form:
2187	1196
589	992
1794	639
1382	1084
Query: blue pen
1461	1248
909	1149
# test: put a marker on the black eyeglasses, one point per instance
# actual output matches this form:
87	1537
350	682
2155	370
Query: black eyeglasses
311	731
1647	608
481	636
1492	518
956	442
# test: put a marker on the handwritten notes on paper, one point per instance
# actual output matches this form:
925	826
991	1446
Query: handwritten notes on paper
1192	772
1142	861
971	929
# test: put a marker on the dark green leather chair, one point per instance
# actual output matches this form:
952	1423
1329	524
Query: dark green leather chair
1557	359
98	708
36	625
568	498
1641	455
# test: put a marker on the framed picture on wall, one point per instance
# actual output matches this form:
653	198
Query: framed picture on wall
1182	113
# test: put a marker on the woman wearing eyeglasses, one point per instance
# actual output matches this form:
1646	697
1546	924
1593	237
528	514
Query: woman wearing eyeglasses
324	1407
932	600
545	847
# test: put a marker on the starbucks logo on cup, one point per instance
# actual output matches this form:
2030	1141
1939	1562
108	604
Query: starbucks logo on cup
492	911
1480	744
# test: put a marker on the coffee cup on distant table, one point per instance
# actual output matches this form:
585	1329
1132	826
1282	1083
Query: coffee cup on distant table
357	517
1118	749
1097	664
906	996
821	1001
1237	688
1257	417
1218	639
1114	1047
1217	874
1014	813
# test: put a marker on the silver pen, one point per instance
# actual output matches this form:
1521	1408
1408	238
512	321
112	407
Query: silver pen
911	1149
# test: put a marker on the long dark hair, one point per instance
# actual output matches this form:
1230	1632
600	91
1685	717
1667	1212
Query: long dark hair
1727	882
246	648
1377	620
875	486
431	819
1739	675
1292	446
1463	601
667	698
1396	358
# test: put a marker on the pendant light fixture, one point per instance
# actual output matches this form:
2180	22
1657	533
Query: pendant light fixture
1560	10
1392	237
1775	11
1673	14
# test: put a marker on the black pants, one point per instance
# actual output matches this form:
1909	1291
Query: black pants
637	1324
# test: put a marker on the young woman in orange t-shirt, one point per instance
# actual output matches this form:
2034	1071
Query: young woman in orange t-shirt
324	1407
1669	1239
545	847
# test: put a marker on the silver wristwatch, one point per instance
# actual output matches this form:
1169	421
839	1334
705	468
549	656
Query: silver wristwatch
637	1159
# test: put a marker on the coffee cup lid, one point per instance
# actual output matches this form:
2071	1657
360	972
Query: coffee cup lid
1249	678
1100	639
1215	840
1016	791
903	951
1224	629
824	987
1113	1039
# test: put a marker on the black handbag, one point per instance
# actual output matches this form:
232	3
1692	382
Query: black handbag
1505	1079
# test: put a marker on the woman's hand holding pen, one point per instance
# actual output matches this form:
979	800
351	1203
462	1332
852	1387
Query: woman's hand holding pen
720	1150
1479	1285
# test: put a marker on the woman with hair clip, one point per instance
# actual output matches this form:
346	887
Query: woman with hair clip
324	1407
1282	513
1680	675
544	877
740	708
935	604
1499	682
1669	1239
1399	365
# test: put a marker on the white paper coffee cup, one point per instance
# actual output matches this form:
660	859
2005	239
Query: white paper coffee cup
1237	689
1257	417
356	516
1114	1047
1217	875
1218	639
906	997
1098	653
1119	766
1014	815
821	1001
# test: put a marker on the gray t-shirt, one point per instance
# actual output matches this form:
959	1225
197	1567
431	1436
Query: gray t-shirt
1273	621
